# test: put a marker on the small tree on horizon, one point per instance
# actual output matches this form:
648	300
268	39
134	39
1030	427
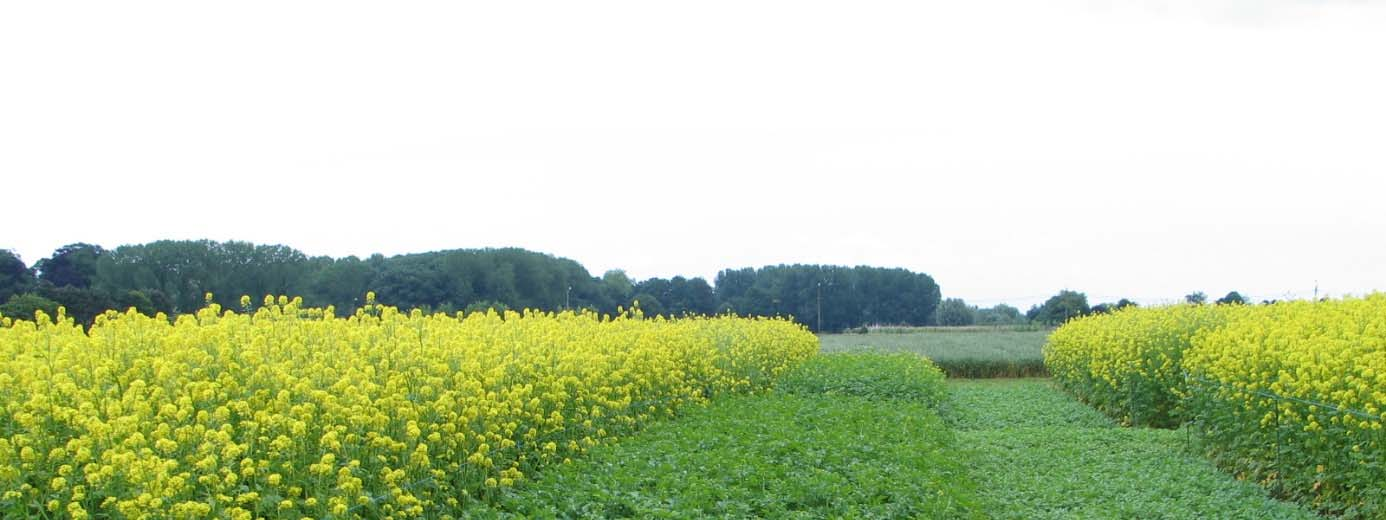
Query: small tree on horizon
954	312
1060	308
1232	298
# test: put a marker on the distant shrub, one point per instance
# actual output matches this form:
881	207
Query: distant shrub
23	306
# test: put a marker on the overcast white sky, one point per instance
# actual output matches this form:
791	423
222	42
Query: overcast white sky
1008	148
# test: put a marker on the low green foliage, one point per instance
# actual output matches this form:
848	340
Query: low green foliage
770	456
867	374
962	352
990	404
1037	453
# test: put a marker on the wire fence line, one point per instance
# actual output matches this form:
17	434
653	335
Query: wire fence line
1362	414
1373	436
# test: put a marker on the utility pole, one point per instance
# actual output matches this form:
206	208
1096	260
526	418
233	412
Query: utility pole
820	307
820	303
566	294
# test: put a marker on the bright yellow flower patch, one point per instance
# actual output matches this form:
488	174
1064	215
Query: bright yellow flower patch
1128	363
1300	387
292	412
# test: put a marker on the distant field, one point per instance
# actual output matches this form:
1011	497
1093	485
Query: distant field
967	352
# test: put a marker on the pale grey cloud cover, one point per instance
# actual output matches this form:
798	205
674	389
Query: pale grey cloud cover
1010	149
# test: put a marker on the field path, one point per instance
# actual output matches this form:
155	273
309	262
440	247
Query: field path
1037	453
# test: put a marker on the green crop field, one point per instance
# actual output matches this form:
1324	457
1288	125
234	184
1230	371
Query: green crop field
1035	452
843	437
965	352
863	435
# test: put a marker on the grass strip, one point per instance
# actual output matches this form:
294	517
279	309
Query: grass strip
776	456
1036	453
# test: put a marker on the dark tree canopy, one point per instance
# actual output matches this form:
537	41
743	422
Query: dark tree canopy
1060	308
955	312
22	306
1232	298
848	296
71	265
15	276
174	276
1001	314
676	296
1103	308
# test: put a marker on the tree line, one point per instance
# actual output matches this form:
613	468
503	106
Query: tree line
173	276
1057	309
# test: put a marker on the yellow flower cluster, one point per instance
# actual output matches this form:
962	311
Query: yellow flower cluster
1299	388
1291	394
1128	363
290	412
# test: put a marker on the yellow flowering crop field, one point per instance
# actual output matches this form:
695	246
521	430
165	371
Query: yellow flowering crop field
1292	395
291	412
1128	363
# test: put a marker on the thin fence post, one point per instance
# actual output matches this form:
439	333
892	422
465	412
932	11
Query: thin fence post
1131	402
1279	486
1188	426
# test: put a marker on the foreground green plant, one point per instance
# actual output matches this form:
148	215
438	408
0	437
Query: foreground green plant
1036	453
772	456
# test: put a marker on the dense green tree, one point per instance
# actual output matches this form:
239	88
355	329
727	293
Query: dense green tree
173	276
1060	308
1196	298
15	276
179	269
617	288
954	312
22	306
1232	298
1103	308
848	297
138	300
649	305
82	304
341	283
71	265
1000	314
679	296
412	282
